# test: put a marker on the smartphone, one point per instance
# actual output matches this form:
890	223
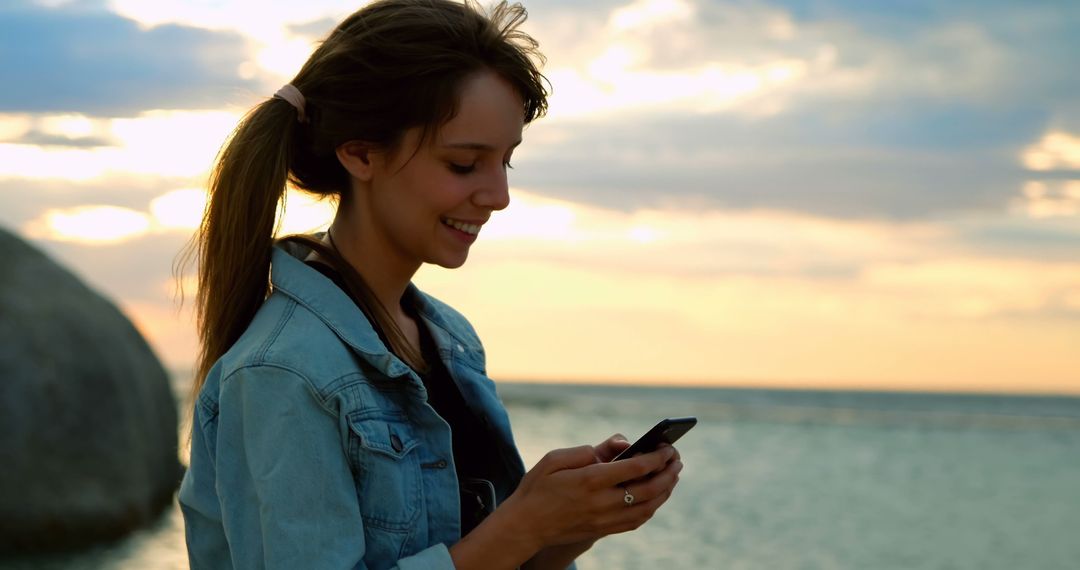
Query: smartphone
667	431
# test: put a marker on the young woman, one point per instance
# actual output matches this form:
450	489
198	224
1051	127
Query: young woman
343	418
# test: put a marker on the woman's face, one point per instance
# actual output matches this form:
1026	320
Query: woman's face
431	206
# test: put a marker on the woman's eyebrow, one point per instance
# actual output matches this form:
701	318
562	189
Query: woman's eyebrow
476	146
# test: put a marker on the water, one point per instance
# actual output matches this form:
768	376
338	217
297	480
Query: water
800	480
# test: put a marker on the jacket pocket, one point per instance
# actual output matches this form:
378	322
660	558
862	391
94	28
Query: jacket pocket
387	473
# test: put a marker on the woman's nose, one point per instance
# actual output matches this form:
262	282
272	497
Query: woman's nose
495	193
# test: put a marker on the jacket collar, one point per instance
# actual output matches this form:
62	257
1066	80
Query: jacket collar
311	289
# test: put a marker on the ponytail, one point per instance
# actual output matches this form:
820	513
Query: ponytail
233	244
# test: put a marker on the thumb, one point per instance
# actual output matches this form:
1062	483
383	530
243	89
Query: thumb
611	447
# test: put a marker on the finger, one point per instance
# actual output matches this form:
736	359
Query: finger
646	509
622	518
611	474
647	499
655	485
611	447
568	458
677	456
654	474
614	502
661	482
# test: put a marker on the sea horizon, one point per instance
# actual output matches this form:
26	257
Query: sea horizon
177	377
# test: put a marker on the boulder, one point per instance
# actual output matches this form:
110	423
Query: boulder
88	423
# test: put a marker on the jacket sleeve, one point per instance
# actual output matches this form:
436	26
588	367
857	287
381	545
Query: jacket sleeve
288	498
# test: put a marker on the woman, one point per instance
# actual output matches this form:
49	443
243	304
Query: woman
343	418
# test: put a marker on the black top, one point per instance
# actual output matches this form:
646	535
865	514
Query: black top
474	448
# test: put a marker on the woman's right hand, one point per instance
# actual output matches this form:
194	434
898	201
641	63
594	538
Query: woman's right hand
571	496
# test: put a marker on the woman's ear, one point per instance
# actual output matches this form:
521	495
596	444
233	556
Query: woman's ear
355	156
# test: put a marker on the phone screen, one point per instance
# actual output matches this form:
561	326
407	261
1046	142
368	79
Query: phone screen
667	431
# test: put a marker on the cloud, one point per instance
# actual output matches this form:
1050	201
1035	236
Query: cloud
831	109
842	53
67	130
82	58
833	167
980	288
163	144
119	210
38	138
696	244
1014	237
748	105
1050	198
1057	150
24	200
315	29
91	224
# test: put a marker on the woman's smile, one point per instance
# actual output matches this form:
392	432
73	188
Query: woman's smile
461	230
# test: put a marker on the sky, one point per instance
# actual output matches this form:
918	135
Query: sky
802	193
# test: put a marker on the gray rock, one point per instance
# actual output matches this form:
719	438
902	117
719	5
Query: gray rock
88	424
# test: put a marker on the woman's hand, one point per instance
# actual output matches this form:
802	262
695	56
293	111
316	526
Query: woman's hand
557	557
571	498
575	495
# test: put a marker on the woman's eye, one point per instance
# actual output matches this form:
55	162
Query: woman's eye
462	168
508	165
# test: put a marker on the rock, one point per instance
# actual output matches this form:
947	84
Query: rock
88	424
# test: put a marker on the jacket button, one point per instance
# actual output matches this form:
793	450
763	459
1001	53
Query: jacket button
395	442
460	348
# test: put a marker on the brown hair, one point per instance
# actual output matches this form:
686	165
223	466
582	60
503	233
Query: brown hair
391	66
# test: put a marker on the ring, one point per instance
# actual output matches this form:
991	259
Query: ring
627	498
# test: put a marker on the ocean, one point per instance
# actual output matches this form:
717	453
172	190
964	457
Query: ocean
780	479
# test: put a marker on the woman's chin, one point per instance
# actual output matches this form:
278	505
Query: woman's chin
451	262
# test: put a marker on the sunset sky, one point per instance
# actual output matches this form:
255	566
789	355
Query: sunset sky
799	193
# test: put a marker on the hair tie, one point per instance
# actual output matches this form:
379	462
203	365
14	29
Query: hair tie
293	96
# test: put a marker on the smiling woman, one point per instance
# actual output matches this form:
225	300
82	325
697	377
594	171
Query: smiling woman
341	417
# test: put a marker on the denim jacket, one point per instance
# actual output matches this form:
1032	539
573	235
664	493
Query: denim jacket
313	446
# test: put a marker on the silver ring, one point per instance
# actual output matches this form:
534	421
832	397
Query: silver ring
627	498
